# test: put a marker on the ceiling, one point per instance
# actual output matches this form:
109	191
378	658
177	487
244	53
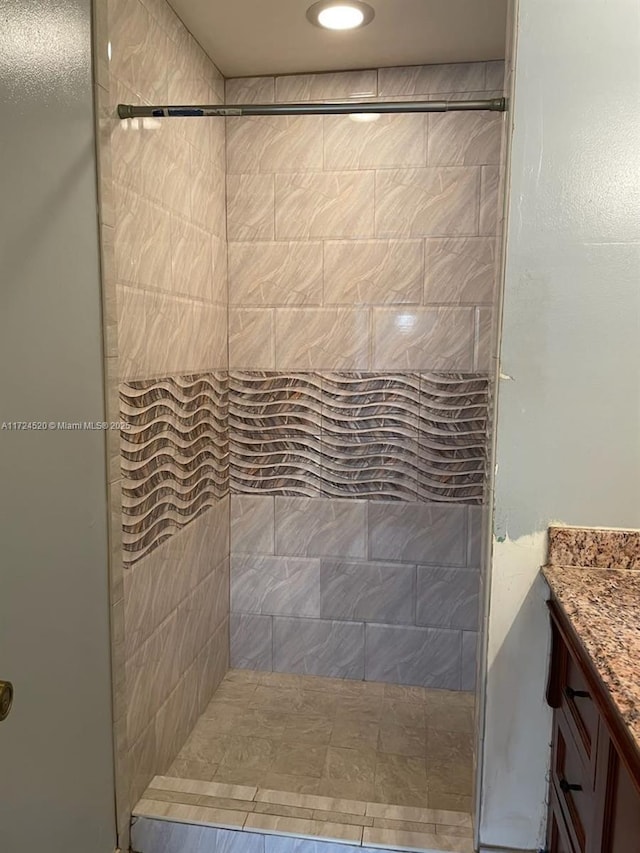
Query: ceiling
259	37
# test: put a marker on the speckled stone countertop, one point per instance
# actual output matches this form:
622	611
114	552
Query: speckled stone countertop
603	606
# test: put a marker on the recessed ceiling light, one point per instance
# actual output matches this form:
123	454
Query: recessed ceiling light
335	15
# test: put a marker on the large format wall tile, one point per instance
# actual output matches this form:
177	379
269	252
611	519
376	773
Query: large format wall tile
275	273
429	657
460	270
464	139
332	85
367	592
251	641
316	528
310	205
391	140
318	647
252	338
275	586
250	207
435	201
431	79
322	338
252	524
423	338
274	144
448	598
250	90
373	272
418	532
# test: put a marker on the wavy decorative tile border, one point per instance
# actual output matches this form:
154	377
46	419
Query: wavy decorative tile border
402	436
174	456
379	436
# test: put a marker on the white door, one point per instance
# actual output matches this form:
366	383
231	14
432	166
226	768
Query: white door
56	778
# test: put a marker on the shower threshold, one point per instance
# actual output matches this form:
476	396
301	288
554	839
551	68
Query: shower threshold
350	762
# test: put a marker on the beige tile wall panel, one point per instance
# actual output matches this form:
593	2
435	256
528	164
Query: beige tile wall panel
250	207
318	87
423	339
390	140
274	144
322	338
375	272
285	273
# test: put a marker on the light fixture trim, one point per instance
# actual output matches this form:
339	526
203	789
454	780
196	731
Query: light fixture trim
315	11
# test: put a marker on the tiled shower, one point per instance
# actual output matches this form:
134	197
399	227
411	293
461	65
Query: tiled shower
299	322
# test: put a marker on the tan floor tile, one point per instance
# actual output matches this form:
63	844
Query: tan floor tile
448	717
339	817
454	831
294	784
301	728
248	753
449	802
287	680
272	824
405	693
311	801
282	811
283	699
419	815
403	740
244	675
404	825
186	769
401	780
359	708
236	692
397	713
240	776
205	744
354	734
305	759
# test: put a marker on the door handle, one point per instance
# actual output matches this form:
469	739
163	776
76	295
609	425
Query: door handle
6	699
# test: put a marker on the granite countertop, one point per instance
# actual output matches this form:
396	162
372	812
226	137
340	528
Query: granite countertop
603	606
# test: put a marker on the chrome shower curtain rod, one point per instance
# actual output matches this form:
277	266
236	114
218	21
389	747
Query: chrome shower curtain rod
343	108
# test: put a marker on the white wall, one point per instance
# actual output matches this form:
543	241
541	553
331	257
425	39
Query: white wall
568	429
56	784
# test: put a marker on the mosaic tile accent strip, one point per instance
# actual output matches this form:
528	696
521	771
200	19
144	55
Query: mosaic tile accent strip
387	436
174	455
594	547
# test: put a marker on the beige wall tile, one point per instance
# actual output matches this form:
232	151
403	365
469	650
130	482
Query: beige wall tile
484	340
429	79
324	204
191	260
423	338
494	74
464	139
390	140
490	212
322	338
252	338
250	90
373	271
275	273
318	87
435	201
250	207
143	240
460	269
274	144
139	50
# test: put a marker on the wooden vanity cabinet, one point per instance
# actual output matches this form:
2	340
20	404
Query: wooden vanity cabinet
594	796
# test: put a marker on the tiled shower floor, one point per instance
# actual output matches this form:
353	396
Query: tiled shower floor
400	756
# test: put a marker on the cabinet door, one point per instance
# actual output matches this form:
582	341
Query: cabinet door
617	803
622	816
558	836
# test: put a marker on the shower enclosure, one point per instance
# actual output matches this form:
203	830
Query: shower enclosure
299	334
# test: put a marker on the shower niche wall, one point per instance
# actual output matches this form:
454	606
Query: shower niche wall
299	332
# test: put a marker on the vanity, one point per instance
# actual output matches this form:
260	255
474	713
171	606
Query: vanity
594	690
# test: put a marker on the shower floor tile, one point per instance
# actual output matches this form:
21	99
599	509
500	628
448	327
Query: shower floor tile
354	740
359	763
